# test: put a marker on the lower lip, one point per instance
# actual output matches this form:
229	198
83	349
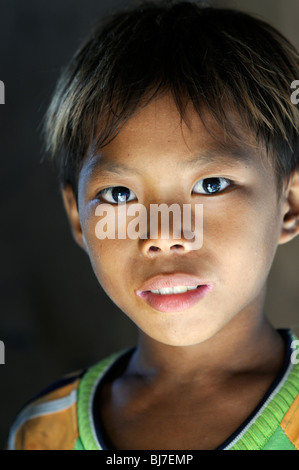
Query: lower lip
175	302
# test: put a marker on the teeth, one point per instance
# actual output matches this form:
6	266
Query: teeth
174	290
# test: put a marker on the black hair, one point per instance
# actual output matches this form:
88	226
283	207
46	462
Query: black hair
212	57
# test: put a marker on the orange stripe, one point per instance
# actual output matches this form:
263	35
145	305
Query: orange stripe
290	423
54	431
60	392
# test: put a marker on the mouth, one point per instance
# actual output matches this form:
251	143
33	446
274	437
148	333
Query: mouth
173	290
173	293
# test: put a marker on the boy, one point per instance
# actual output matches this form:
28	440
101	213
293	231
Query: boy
188	106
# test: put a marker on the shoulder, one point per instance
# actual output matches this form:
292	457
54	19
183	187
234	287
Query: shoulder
290	421
50	420
275	423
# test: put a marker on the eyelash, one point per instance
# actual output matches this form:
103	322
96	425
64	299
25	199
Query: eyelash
201	183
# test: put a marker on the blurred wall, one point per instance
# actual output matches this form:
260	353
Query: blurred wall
55	318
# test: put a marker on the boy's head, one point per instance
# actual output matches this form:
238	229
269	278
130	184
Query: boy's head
220	60
181	105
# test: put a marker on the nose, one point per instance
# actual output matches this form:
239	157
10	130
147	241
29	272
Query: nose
152	247
172	232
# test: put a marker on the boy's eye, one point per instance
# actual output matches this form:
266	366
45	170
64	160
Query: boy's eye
117	195
211	185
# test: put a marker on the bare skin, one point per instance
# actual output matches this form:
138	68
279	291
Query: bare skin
171	406
197	374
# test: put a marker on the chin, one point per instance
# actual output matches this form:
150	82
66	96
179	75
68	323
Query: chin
183	340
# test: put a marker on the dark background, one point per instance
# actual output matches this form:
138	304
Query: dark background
55	318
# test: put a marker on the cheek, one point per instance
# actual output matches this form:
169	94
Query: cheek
110	258
100	250
244	236
113	260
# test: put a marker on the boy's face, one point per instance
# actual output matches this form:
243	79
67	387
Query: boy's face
242	222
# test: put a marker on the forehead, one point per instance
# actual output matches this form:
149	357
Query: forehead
161	119
157	131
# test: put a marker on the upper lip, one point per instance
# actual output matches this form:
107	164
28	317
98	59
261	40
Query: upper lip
161	281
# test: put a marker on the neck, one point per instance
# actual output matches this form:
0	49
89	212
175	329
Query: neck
246	343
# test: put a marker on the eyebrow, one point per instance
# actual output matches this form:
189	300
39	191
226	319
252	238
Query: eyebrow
228	156
225	156
96	166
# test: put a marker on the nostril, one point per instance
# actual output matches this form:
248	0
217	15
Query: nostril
154	248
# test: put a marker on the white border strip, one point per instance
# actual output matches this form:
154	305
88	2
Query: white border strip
33	411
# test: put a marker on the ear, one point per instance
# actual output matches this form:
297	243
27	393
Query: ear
70	205
290	224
